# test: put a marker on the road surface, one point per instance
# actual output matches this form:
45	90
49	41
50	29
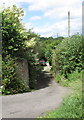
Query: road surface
36	103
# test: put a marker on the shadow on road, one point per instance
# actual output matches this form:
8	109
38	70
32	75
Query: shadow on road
44	79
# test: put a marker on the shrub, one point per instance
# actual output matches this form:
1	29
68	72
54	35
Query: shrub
68	55
30	57
11	82
11	31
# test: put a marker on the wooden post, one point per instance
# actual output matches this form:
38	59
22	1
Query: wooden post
68	23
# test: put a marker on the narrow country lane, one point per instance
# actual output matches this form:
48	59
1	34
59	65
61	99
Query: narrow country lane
48	96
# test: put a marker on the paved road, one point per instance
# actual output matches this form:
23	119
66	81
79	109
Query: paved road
34	104
0	107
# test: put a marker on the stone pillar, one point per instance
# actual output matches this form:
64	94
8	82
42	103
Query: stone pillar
22	71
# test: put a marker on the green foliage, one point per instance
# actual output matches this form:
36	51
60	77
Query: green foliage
46	45
8	70
11	83
71	77
30	54
32	70
12	31
68	56
17	44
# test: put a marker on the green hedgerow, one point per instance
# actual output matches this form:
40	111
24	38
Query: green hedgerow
67	57
11	83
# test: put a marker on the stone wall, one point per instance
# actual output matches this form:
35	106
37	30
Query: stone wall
22	71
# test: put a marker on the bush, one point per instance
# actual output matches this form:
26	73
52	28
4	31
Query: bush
30	57
68	56
12	84
11	31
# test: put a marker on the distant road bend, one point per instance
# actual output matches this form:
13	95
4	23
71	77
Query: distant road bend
48	96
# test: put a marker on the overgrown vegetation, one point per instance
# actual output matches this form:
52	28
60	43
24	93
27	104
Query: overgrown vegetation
67	57
11	83
46	45
17	44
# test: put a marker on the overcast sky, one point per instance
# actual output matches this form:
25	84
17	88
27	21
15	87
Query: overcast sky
49	17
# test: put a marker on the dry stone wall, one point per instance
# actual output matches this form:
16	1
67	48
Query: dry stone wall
22	71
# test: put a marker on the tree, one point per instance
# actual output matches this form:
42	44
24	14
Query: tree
12	31
46	45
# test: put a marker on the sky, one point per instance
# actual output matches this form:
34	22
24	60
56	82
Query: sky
50	17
